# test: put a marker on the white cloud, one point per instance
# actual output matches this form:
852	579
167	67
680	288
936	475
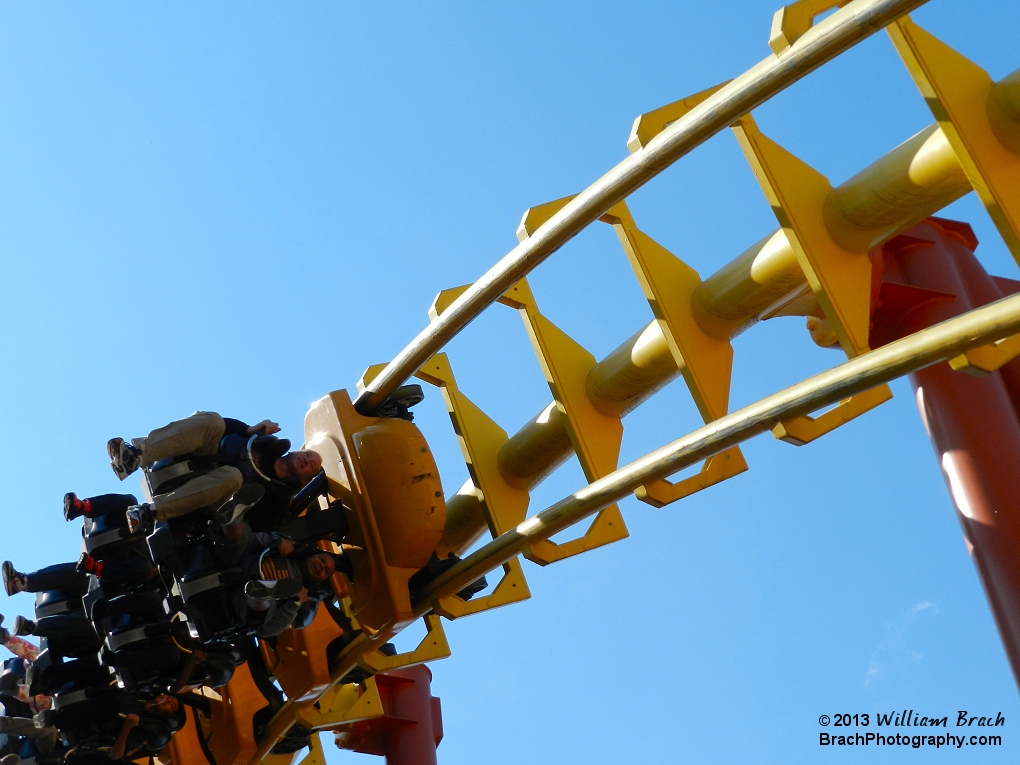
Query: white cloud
892	652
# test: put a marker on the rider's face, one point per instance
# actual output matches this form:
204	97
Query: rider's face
320	567
303	464
165	703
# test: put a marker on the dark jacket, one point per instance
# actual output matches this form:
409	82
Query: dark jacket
272	510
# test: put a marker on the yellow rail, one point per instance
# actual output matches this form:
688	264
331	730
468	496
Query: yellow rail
977	328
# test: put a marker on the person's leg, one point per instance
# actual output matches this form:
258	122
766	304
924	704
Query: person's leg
13	706
19	726
209	489
161	656
92	711
153	732
45	738
136	604
279	616
199	434
61	625
20	648
96	507
114	571
62	576
230	542
72	647
56	676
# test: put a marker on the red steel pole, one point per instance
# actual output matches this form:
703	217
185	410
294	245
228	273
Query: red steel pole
924	277
411	726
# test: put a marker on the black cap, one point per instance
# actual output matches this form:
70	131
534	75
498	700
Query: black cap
267	450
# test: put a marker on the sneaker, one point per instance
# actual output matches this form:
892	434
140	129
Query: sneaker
14	580
74	507
44	719
88	565
23	626
139	517
124	458
233	510
4	634
277	589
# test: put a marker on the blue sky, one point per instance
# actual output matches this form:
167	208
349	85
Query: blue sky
240	207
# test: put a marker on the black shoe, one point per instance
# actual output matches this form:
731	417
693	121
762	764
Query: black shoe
74	507
472	589
139	517
124	458
233	510
14	580
23	626
277	589
433	569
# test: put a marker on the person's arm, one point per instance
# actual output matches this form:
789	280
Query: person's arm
192	699
235	427
189	666
267	540
238	428
285	546
39	702
264	428
117	752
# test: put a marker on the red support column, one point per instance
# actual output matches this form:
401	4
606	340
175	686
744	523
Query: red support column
922	278
411	727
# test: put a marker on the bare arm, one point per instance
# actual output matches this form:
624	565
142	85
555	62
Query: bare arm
117	752
189	667
264	428
285	547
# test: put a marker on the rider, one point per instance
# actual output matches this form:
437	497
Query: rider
201	434
286	580
138	723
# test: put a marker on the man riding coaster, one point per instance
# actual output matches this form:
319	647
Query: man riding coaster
265	461
287	581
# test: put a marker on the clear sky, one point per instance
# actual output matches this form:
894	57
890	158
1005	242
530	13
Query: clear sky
240	206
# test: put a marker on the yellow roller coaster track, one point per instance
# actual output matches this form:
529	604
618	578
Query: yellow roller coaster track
815	264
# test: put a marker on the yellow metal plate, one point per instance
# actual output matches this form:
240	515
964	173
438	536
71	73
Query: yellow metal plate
956	90
840	279
803	430
596	437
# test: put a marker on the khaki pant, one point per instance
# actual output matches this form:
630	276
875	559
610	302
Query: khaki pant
46	738
198	434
